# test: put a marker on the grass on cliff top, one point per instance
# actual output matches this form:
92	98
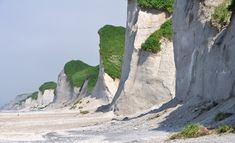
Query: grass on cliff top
112	43
78	72
90	74
74	66
47	86
222	14
166	5
34	96
152	44
191	130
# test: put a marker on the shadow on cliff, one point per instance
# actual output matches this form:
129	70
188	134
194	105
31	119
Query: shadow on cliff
200	112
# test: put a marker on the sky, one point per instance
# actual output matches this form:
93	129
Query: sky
37	37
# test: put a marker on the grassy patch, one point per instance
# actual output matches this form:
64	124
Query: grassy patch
34	96
90	74
224	129
84	112
47	86
166	5
112	43
221	116
222	14
152	44
74	66
191	131
78	71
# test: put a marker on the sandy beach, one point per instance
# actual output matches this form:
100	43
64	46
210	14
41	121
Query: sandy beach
72	127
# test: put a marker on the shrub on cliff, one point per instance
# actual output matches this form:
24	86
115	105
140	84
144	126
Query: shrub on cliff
225	129
221	116
152	44
192	131
166	5
47	86
222	14
112	42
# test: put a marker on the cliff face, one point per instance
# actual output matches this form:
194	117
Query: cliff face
204	56
147	79
64	90
111	54
15	104
45	98
106	87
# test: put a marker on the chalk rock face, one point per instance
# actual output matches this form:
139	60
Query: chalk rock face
147	79
30	103
204	56
46	97
83	91
64	90
106	87
15	104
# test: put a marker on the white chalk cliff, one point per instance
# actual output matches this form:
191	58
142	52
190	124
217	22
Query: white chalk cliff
16	103
64	90
45	98
204	55
106	86
147	79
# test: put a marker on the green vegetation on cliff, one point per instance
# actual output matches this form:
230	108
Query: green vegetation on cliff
222	115
74	66
90	74
34	96
166	5
112	42
152	44
47	86
222	14
78	72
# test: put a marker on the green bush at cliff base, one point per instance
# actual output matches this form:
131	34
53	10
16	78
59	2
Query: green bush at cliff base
152	44
90	74
191	130
166	5
112	43
47	86
225	129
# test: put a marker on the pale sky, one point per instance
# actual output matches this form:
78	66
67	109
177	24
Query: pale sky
37	37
